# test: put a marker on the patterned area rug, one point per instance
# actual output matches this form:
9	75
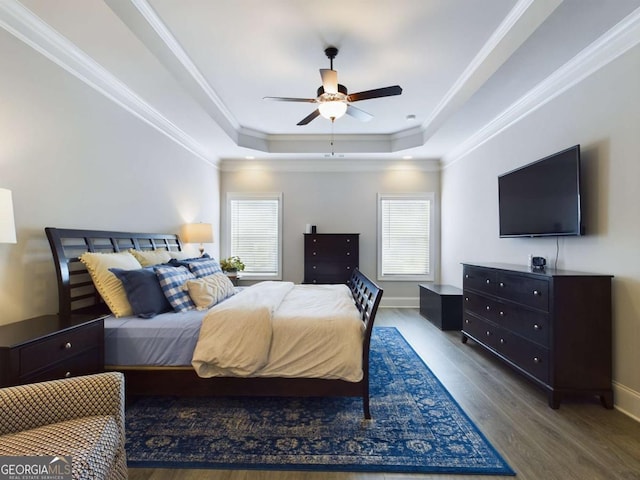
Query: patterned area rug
417	427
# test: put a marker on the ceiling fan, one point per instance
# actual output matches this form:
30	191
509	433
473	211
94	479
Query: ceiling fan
333	99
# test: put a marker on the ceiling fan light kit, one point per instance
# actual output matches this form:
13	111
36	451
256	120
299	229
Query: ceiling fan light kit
333	99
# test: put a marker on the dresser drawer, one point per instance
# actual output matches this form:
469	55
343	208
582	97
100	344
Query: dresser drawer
480	305
480	279
530	324
524	290
82	364
530	357
59	347
480	329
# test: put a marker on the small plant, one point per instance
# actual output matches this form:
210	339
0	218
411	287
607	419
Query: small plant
232	264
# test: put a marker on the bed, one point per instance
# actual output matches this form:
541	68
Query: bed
77	295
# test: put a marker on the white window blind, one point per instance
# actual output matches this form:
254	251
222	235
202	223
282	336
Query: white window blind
405	237
254	228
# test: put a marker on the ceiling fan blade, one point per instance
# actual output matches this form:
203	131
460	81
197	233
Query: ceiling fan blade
309	117
359	114
376	93
290	99
329	80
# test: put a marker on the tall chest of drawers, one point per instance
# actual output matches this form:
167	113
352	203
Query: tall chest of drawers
330	257
552	326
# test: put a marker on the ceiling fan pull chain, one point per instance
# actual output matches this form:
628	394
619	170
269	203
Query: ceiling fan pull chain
332	149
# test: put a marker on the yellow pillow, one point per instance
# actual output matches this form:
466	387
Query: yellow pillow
108	286
207	291
149	258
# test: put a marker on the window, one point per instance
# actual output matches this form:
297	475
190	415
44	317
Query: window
405	236
254	224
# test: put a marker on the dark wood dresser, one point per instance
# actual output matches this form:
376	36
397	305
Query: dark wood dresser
330	257
48	348
552	326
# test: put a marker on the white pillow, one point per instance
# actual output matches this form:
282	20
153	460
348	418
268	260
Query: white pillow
107	284
188	251
207	291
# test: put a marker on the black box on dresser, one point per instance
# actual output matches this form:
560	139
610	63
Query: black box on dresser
553	326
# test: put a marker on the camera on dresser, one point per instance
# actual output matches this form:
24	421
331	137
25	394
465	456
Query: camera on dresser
552	326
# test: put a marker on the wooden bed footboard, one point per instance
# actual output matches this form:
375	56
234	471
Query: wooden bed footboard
77	295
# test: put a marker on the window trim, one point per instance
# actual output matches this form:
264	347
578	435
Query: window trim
255	196
431	197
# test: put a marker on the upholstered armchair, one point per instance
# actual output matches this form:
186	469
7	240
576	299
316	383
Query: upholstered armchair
80	417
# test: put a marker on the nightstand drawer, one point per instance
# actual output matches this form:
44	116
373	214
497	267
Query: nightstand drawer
58	347
82	364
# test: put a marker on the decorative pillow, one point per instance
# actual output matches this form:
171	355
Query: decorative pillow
200	267
171	281
208	291
143	291
188	251
107	284
148	258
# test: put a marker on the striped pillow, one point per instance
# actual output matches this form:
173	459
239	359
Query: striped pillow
171	281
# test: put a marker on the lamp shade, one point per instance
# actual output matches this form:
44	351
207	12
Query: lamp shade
7	225
197	233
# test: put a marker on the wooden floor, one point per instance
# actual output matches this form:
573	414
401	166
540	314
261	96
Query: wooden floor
581	440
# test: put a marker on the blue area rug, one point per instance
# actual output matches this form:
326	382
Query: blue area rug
417	427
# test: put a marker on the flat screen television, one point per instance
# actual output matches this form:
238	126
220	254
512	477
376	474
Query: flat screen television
542	198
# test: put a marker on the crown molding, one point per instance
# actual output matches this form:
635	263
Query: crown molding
523	19
16	19
328	165
615	42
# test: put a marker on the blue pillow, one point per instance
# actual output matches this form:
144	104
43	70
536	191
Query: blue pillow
172	279
143	291
200	267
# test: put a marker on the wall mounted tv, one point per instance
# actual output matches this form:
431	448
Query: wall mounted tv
542	198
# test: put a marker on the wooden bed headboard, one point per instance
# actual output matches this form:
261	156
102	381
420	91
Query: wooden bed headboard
76	293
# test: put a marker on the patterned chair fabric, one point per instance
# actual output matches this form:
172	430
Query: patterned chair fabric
82	417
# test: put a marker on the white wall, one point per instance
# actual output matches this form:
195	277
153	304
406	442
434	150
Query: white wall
75	159
602	113
337	202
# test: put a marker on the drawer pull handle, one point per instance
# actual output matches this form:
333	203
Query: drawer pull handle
501	313
68	345
537	327
314	253
502	341
488	308
67	374
536	360
348	253
488	333
314	267
314	240
348	268
536	293
466	320
488	281
466	276
466	299
348	240
501	284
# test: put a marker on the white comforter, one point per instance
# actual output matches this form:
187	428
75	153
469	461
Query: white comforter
278	329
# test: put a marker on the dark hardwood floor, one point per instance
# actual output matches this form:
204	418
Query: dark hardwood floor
581	440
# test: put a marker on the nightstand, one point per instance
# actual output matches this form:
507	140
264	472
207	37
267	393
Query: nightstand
49	347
